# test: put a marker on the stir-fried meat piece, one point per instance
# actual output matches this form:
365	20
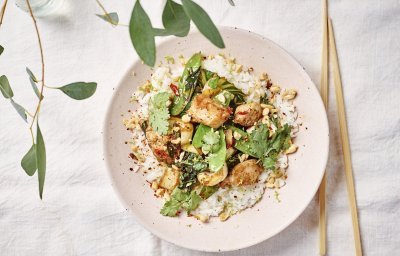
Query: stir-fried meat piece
245	173
208	112
163	149
247	114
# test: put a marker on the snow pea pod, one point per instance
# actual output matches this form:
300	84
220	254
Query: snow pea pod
187	84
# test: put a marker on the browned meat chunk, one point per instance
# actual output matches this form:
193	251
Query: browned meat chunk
245	173
247	114
161	145
208	112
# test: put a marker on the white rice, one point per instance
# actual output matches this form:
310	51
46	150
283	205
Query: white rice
244	80
232	200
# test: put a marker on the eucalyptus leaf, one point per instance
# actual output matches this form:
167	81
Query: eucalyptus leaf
142	35
161	32
79	90
40	159
20	109
231	2
5	88
1	49
34	87
111	17
175	19
31	75
28	162
203	22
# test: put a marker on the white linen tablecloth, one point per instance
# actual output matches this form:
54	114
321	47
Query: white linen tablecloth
81	215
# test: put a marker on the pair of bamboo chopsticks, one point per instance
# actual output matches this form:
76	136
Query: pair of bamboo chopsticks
329	46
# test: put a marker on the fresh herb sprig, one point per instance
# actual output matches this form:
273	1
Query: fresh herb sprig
176	21
259	144
180	199
35	159
159	112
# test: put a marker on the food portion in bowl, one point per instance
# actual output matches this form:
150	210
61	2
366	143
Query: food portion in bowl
210	136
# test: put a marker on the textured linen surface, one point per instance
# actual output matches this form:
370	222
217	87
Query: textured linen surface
81	215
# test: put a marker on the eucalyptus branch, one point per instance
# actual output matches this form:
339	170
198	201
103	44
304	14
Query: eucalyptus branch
111	17
176	20
42	60
3	9
104	11
35	159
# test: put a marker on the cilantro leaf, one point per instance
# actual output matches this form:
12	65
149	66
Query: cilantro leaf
171	208
259	145
159	113
192	201
160	99
259	138
269	162
180	199
211	142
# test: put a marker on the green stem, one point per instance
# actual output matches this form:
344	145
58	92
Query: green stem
42	59
51	87
105	11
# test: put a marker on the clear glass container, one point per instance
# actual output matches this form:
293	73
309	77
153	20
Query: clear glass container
40	8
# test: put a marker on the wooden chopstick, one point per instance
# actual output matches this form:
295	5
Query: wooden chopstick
324	96
344	139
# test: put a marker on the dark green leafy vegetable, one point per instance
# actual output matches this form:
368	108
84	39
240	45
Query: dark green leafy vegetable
191	165
180	199
187	84
1	49
239	95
